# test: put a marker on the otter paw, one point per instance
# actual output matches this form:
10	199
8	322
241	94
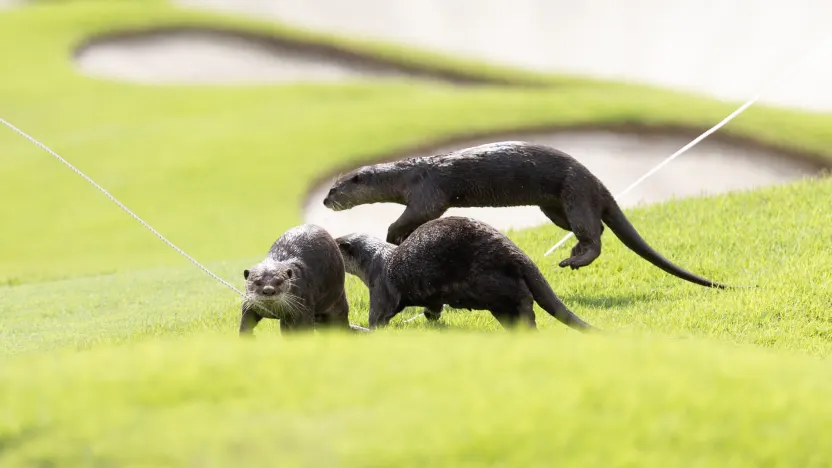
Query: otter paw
577	262
393	238
433	317
572	262
396	238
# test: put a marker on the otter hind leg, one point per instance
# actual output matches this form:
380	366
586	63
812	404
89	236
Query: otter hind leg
338	315
588	230
526	311
556	216
507	317
298	323
516	309
507	297
584	220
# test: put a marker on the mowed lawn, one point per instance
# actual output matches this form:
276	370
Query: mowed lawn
115	351
776	238
418	399
222	171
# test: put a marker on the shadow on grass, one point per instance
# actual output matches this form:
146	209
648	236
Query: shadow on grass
606	301
13	441
572	301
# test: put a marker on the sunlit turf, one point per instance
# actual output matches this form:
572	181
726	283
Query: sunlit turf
223	170
775	238
114	351
417	399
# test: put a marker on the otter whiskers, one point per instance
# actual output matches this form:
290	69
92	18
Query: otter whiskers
285	304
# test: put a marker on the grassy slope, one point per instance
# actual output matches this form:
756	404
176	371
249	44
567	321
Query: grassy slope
484	399
180	156
776	238
199	163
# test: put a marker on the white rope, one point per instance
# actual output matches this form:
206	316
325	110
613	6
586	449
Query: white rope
716	127
114	200
134	215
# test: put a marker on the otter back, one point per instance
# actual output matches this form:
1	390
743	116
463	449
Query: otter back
458	261
502	174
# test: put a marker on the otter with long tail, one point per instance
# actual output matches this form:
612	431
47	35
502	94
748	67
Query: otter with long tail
510	173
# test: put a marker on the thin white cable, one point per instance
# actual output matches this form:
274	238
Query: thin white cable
134	215
716	127
114	200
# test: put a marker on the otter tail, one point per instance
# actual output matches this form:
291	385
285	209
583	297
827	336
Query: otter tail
620	225
543	295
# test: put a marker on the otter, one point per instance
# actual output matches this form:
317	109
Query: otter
501	174
454	260
300	283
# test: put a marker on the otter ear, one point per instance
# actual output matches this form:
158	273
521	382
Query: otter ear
245	274
345	247
355	179
289	273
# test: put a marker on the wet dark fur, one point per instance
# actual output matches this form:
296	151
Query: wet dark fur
498	175
458	261
305	272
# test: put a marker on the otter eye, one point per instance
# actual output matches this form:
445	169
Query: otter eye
258	283
289	273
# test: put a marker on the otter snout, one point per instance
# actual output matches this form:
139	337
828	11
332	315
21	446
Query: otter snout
330	201
269	290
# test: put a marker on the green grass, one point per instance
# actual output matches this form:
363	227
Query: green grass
206	164
776	238
395	401
116	351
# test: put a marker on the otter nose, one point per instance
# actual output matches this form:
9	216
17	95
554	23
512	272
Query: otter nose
269	290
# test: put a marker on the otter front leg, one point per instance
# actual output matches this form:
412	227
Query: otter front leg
383	307
411	219
433	312
249	320
297	324
419	210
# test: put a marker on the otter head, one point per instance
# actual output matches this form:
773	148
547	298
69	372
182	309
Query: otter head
350	247
268	287
361	252
368	184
